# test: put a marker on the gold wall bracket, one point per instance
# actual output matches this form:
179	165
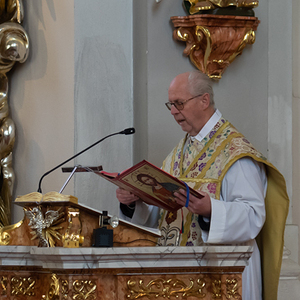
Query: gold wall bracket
214	41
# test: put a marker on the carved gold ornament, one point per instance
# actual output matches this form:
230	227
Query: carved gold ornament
232	289
45	228
217	289
4	283
161	288
4	233
84	290
214	41
23	286
72	238
64	289
53	293
14	47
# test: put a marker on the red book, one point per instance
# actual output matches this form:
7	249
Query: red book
153	185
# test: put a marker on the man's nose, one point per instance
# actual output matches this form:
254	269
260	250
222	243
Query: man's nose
174	110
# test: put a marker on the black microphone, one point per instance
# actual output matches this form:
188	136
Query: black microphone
125	131
128	131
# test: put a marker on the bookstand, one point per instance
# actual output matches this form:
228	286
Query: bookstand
67	224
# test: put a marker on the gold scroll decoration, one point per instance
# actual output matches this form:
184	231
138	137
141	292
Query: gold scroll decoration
4	283
23	286
217	288
232	289
214	41
84	289
14	47
5	236
53	293
64	289
58	288
166	288
206	287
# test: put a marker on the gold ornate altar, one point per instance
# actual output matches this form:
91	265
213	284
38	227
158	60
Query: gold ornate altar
59	262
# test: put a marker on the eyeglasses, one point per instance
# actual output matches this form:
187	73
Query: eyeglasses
179	105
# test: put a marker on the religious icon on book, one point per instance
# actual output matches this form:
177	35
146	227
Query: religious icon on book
152	184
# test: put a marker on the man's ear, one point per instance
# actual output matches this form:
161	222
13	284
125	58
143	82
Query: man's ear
205	100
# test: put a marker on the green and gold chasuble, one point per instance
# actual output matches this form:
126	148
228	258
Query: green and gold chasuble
203	166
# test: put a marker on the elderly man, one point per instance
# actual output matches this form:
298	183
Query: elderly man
244	196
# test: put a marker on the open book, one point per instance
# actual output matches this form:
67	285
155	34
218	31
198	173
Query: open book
153	185
48	197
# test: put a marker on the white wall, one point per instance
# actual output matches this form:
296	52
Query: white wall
296	120
103	95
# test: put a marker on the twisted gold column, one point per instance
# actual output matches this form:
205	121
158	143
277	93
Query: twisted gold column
14	47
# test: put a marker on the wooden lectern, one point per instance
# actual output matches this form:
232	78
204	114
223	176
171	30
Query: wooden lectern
134	268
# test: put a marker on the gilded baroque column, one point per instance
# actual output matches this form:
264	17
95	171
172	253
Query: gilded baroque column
14	47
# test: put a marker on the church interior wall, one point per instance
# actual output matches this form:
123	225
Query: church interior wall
103	95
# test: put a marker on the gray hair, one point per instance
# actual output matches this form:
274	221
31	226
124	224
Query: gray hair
199	83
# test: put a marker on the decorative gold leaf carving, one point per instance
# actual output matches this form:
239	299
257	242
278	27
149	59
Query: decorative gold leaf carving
166	288
4	233
4	282
232	289
72	238
22	286
216	289
54	289
84	290
64	289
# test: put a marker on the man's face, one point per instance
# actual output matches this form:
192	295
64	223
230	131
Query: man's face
192	117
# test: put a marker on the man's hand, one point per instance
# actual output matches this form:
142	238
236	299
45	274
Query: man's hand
126	197
196	206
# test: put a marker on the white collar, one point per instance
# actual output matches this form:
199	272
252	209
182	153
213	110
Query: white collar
208	126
